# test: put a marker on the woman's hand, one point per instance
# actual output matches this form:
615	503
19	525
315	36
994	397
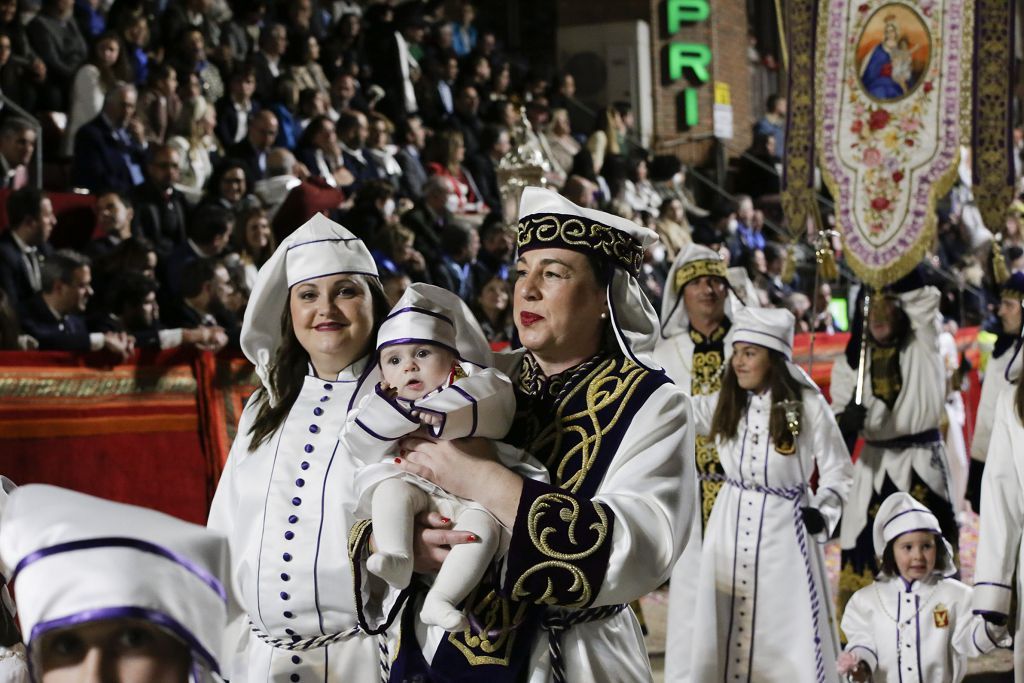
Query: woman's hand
467	468
432	540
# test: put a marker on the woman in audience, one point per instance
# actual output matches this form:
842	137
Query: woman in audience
106	66
304	60
560	141
229	186
198	147
493	310
159	104
444	156
254	243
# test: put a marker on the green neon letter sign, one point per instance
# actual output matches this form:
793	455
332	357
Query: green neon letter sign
689	56
679	11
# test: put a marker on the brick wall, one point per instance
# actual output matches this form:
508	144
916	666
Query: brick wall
725	32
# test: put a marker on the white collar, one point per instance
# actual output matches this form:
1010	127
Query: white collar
351	372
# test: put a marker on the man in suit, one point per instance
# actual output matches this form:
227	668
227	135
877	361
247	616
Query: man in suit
267	62
454	270
396	65
109	150
430	216
258	141
17	144
205	286
494	144
208	234
160	209
235	109
24	247
114	215
412	136
466	117
353	129
54	315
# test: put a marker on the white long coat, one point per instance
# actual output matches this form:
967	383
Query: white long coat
935	636
283	509
762	602
991	387
919	407
650	487
1001	534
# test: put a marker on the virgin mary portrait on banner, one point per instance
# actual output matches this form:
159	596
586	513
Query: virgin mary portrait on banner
891	67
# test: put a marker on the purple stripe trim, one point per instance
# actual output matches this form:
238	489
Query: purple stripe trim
917	630
393	402
340	272
371	432
899	650
319	536
263	528
417	309
439	429
121	542
785	343
907	512
417	340
362	378
993	583
757	565
326	239
465	395
129	612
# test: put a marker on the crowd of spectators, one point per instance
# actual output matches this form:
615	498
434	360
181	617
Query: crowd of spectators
207	130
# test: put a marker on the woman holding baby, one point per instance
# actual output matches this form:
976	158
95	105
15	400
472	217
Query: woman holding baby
589	490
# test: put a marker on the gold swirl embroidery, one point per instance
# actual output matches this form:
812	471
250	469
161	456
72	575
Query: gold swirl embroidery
580	585
695	269
570	515
355	539
494	612
706	376
552	230
707	463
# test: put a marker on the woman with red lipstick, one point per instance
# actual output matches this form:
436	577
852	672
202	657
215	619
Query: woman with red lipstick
615	436
309	329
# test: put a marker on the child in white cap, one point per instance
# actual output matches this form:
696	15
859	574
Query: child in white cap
433	360
113	592
914	623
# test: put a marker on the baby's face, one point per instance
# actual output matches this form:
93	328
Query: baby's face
415	370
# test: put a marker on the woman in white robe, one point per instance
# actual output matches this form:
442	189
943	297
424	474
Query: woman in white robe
615	436
1001	534
763	606
310	325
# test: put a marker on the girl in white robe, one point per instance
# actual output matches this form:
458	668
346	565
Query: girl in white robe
1001	534
284	504
763	606
913	624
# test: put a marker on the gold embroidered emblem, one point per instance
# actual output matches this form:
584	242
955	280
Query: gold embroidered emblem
941	616
493	644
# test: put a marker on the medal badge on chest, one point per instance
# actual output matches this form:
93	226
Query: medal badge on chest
941	616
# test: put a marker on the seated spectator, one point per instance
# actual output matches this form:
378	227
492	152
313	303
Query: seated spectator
240	34
304	66
311	105
497	248
608	137
823	321
188	56
11	336
435	91
17	145
254	243
320	152
55	38
493	310
228	186
395	66
454	270
54	315
581	117
381	152
464	33
673	228
465	117
749	227
580	191
394	284
159	104
267	63
133	255
773	123
774	262
669	177
395	252
412	137
132	308
342	51
560	141
21	74
109	152
135	36
353	129
284	173
23	246
198	147
262	131
345	95
494	144
372	211
444	156
205	286
160	208
286	108
191	15
107	66
430	217
114	216
235	109
638	190
209	233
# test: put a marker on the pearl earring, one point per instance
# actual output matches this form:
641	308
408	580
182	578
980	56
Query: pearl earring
604	316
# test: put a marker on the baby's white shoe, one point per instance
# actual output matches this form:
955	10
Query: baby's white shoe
439	612
394	568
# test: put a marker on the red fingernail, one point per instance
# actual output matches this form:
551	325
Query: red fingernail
398	461
471	537
445	520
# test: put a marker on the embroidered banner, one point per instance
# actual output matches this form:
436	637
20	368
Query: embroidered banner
991	139
893	83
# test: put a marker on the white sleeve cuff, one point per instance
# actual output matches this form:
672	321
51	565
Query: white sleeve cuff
95	341
170	339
